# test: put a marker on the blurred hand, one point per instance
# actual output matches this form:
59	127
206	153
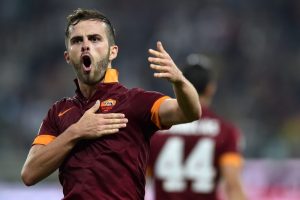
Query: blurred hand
161	61
93	125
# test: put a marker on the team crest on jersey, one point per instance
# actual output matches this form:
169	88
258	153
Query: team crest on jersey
107	105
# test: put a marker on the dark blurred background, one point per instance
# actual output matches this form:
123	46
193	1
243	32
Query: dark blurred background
254	46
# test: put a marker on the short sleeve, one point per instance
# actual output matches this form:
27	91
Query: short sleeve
145	105
231	154
233	140
48	129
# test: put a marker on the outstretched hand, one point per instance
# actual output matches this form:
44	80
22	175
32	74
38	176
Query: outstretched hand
164	65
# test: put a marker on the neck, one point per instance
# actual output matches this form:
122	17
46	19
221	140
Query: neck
205	101
87	90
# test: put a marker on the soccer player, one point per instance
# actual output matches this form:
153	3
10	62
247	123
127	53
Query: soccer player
100	138
188	161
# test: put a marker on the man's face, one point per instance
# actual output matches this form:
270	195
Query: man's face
89	51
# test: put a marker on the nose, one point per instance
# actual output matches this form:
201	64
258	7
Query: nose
85	46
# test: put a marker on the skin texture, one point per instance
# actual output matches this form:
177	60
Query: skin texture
89	38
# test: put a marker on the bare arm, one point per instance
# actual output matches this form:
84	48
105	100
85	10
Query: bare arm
42	160
232	183
186	107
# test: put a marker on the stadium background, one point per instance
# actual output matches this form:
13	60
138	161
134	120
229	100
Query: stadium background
254	45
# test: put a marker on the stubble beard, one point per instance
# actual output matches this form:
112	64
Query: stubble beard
97	75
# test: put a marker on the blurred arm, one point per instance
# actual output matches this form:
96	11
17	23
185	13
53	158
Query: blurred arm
232	182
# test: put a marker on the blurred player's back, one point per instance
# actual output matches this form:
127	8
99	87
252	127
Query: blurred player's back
188	160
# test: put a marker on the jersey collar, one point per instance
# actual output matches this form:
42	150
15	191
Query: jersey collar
111	76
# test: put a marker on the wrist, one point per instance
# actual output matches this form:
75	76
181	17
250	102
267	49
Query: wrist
180	82
74	133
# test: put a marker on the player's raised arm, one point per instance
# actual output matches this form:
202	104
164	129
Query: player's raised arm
186	107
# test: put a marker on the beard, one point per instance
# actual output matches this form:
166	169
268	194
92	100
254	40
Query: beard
96	75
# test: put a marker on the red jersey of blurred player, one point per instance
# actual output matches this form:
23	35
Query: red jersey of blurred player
188	160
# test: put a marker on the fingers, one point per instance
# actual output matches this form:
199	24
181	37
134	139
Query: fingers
112	115
156	53
162	75
115	121
158	61
164	65
160	52
112	120
108	132
160	67
95	107
159	57
112	126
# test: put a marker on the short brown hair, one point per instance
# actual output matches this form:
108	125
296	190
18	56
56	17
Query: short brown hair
84	14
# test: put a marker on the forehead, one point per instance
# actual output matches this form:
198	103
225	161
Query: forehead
87	27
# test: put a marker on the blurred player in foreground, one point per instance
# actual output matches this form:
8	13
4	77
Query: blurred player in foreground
189	160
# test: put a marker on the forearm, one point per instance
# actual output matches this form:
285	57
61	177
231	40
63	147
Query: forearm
233	183
45	159
235	193
188	99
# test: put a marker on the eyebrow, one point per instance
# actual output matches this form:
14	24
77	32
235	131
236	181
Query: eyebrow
91	35
75	38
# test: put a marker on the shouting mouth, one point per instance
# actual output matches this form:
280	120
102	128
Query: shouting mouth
86	63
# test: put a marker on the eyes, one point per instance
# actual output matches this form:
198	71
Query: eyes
92	38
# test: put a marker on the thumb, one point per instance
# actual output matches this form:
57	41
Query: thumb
95	107
160	46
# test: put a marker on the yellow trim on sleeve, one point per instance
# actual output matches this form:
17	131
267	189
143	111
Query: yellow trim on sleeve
43	139
232	159
155	111
111	76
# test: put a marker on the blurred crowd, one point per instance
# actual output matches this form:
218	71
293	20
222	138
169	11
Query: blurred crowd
254	45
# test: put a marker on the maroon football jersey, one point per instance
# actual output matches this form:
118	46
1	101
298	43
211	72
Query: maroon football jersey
113	166
185	160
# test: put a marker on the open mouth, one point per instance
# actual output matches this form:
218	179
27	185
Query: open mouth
86	63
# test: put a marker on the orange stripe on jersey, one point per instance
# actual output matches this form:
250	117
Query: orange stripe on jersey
43	139
111	76
149	172
232	159
154	111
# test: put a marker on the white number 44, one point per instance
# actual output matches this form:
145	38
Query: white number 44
198	166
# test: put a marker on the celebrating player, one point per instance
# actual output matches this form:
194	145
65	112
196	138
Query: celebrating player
100	138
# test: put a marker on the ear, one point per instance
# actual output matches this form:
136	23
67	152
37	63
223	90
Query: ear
211	89
67	57
113	52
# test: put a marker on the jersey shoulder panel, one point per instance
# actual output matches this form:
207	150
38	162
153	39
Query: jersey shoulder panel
49	124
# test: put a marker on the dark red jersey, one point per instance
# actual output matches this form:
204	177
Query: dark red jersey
185	160
113	166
